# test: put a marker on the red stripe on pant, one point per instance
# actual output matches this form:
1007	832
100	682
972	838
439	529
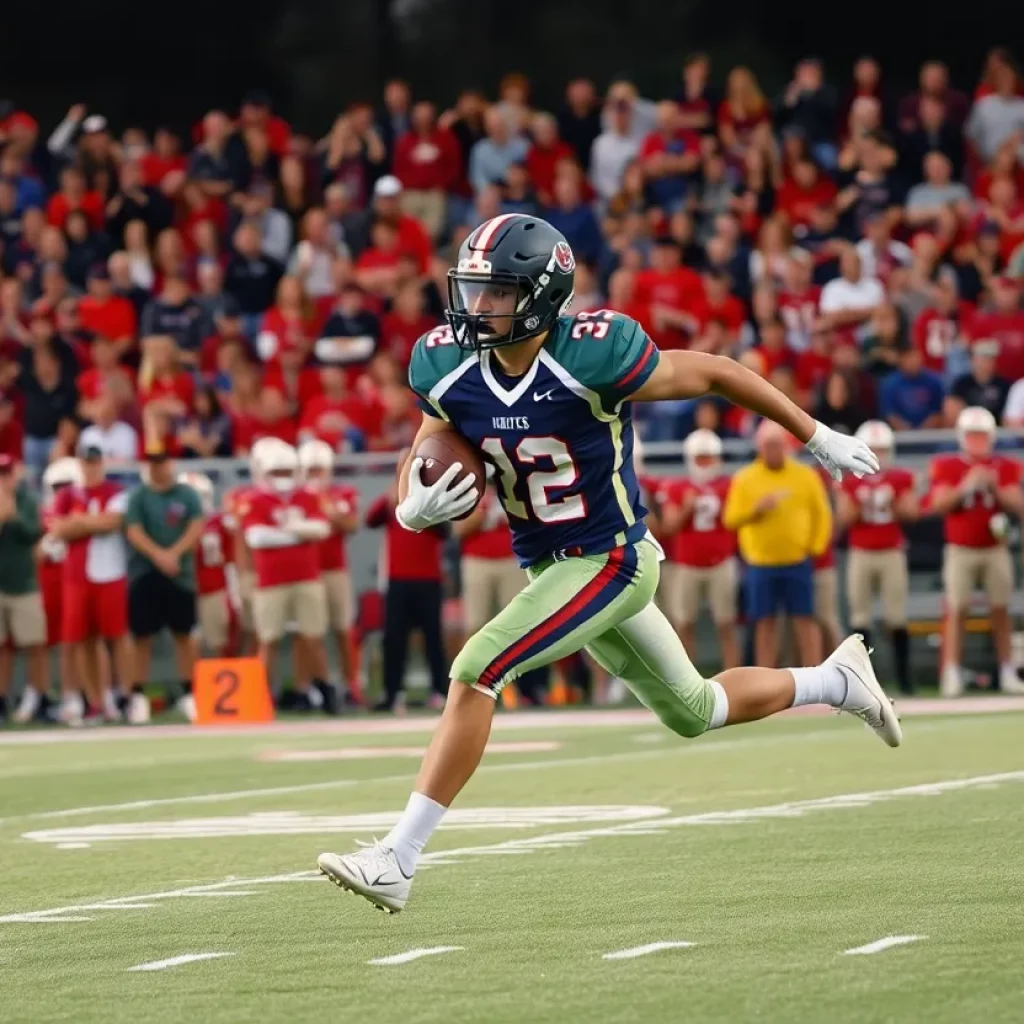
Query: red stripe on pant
500	665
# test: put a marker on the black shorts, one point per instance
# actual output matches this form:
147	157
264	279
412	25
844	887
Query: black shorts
156	602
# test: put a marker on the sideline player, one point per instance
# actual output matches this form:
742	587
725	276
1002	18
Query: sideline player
974	492
546	398
873	509
213	557
701	551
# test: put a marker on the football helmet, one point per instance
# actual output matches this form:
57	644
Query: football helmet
703	453
879	437
514	278
976	430
202	485
275	464
316	462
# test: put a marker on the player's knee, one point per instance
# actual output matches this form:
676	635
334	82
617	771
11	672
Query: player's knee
472	666
687	715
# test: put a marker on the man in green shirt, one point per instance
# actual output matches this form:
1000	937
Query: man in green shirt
22	618
163	522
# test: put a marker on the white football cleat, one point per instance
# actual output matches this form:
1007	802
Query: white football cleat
28	706
373	872
951	682
72	710
865	698
138	709
111	712
1009	681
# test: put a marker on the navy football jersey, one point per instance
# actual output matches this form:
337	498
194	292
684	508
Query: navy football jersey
560	437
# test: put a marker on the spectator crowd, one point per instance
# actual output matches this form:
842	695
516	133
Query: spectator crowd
862	250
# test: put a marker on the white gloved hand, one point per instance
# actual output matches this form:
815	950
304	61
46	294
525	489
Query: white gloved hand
425	506
841	453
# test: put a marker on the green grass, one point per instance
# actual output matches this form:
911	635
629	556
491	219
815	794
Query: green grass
770	899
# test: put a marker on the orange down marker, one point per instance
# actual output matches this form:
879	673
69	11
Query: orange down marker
231	691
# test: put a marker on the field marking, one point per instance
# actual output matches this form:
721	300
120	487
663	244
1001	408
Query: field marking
790	810
413	954
177	961
879	944
291	823
378	753
679	749
651	947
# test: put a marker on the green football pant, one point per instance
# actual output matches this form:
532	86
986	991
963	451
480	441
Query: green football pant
603	603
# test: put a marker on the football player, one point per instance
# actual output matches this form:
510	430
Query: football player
701	564
546	396
89	519
283	525
975	492
340	504
213	557
873	509
52	553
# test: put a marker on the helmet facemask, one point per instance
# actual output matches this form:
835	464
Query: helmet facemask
490	310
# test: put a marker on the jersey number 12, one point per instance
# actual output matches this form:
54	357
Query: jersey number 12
538	481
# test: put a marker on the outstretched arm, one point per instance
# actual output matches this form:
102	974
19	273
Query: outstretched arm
693	374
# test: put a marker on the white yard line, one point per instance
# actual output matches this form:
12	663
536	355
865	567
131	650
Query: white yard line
651	947
880	944
413	954
794	809
678	749
177	961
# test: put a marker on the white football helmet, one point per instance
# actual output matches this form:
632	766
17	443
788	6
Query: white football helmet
703	453
879	437
277	466
259	453
316	462
66	472
976	430
202	485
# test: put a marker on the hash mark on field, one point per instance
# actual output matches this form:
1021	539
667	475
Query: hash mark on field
177	961
880	944
412	954
651	947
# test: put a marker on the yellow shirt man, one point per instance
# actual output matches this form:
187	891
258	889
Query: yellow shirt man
781	515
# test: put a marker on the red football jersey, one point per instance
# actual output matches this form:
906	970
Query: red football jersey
52	554
798	312
968	524
935	333
703	541
213	553
494	538
296	563
232	503
875	496
332	549
100	558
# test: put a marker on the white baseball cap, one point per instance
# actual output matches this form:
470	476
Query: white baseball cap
387	187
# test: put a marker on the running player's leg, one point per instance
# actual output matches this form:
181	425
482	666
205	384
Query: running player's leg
566	605
645	651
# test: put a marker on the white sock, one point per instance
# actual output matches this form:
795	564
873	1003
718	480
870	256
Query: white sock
721	709
820	684
413	829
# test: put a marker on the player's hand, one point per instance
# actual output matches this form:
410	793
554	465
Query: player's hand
841	453
425	506
167	563
979	478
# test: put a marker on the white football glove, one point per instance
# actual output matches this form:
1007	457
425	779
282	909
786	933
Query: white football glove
841	453
425	506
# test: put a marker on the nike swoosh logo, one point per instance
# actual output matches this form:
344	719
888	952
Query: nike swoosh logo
539	396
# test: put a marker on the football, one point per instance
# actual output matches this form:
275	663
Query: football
439	451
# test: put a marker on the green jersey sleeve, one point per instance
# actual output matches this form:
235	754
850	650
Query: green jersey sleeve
434	358
610	354
133	513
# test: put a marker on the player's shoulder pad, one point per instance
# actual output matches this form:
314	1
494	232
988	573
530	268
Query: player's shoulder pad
434	356
603	350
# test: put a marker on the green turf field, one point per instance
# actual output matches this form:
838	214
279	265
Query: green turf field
773	849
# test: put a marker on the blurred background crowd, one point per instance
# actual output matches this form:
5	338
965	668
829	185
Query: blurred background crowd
864	250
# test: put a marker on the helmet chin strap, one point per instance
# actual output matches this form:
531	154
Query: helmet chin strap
283	485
